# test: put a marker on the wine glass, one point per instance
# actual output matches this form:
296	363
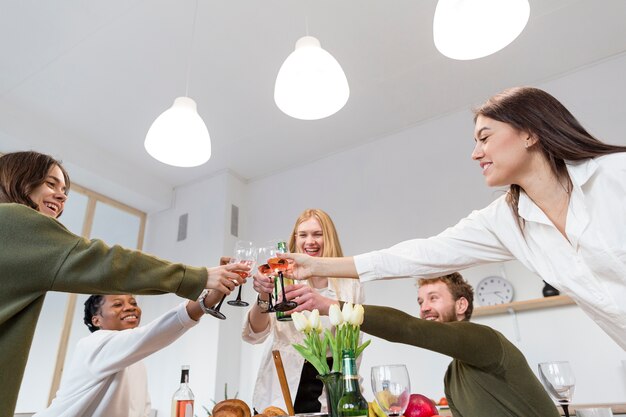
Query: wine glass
279	265
392	388
264	253
559	381
244	253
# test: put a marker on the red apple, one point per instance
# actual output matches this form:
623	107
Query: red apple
420	406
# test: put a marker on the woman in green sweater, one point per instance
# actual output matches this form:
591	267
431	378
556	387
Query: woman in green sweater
38	254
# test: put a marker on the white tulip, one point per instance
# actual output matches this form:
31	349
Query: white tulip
356	318
334	313
314	320
301	322
346	312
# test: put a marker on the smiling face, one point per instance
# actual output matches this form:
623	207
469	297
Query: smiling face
117	312
49	197
436	303
310	237
503	152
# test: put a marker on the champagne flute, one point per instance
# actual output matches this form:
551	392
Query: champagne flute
245	253
392	388
559	381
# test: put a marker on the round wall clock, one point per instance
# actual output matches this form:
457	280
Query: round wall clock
494	290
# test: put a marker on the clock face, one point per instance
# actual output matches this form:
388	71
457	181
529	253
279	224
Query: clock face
494	290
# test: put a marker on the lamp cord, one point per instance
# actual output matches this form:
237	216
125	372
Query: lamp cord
193	33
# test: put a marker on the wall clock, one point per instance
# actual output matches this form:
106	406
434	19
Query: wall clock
494	290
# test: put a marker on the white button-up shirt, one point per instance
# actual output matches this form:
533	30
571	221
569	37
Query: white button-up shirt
589	266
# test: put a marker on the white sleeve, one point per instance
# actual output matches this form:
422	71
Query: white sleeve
109	351
248	335
470	242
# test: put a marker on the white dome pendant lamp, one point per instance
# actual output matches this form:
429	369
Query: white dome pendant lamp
310	84
471	29
179	136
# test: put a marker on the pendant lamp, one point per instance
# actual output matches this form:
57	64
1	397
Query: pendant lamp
471	29
310	84
179	136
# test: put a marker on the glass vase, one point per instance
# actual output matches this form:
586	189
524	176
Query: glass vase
333	386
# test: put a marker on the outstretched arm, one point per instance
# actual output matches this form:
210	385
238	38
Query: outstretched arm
472	343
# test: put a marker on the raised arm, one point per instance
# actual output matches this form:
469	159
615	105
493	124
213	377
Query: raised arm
472	343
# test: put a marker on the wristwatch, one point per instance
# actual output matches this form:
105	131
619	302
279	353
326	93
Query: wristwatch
203	295
263	305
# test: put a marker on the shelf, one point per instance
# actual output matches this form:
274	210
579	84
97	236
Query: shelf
535	304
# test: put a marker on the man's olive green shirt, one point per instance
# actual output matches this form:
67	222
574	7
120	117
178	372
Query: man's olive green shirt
488	377
38	254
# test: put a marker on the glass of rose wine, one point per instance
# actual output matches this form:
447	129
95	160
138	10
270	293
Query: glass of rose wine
279	265
559	381
264	253
244	253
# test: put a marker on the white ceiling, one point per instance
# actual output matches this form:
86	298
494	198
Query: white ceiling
83	80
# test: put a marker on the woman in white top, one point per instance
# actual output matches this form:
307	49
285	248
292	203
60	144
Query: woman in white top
564	216
106	376
313	234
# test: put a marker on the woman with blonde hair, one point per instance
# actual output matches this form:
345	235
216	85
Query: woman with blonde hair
313	234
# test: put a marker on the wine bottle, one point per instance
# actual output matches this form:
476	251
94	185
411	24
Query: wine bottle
182	401
352	403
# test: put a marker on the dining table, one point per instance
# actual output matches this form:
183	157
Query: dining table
619	409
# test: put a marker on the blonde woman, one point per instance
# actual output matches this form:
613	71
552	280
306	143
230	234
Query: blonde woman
313	234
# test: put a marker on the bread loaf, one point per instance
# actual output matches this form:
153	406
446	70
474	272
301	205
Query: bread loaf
231	408
272	411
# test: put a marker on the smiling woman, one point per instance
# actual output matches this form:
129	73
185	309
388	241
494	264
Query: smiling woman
105	376
40	255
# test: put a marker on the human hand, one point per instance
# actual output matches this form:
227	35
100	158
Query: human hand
308	299
263	284
224	260
300	265
226	277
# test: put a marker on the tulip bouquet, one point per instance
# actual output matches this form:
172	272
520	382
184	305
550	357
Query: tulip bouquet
347	322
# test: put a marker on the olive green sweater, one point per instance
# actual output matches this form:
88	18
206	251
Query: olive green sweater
38	254
489	376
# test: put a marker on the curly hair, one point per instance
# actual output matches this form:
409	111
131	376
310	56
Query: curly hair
458	288
92	308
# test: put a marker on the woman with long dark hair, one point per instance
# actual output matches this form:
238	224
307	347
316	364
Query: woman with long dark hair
38	254
563	217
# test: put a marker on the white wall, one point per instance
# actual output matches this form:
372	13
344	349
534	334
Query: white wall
212	347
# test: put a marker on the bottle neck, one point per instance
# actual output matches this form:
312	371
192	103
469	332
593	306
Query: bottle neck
350	375
184	376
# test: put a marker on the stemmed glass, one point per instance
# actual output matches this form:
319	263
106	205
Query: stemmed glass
265	253
245	253
392	388
559	381
279	265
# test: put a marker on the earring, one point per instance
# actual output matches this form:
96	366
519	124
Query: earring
527	144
